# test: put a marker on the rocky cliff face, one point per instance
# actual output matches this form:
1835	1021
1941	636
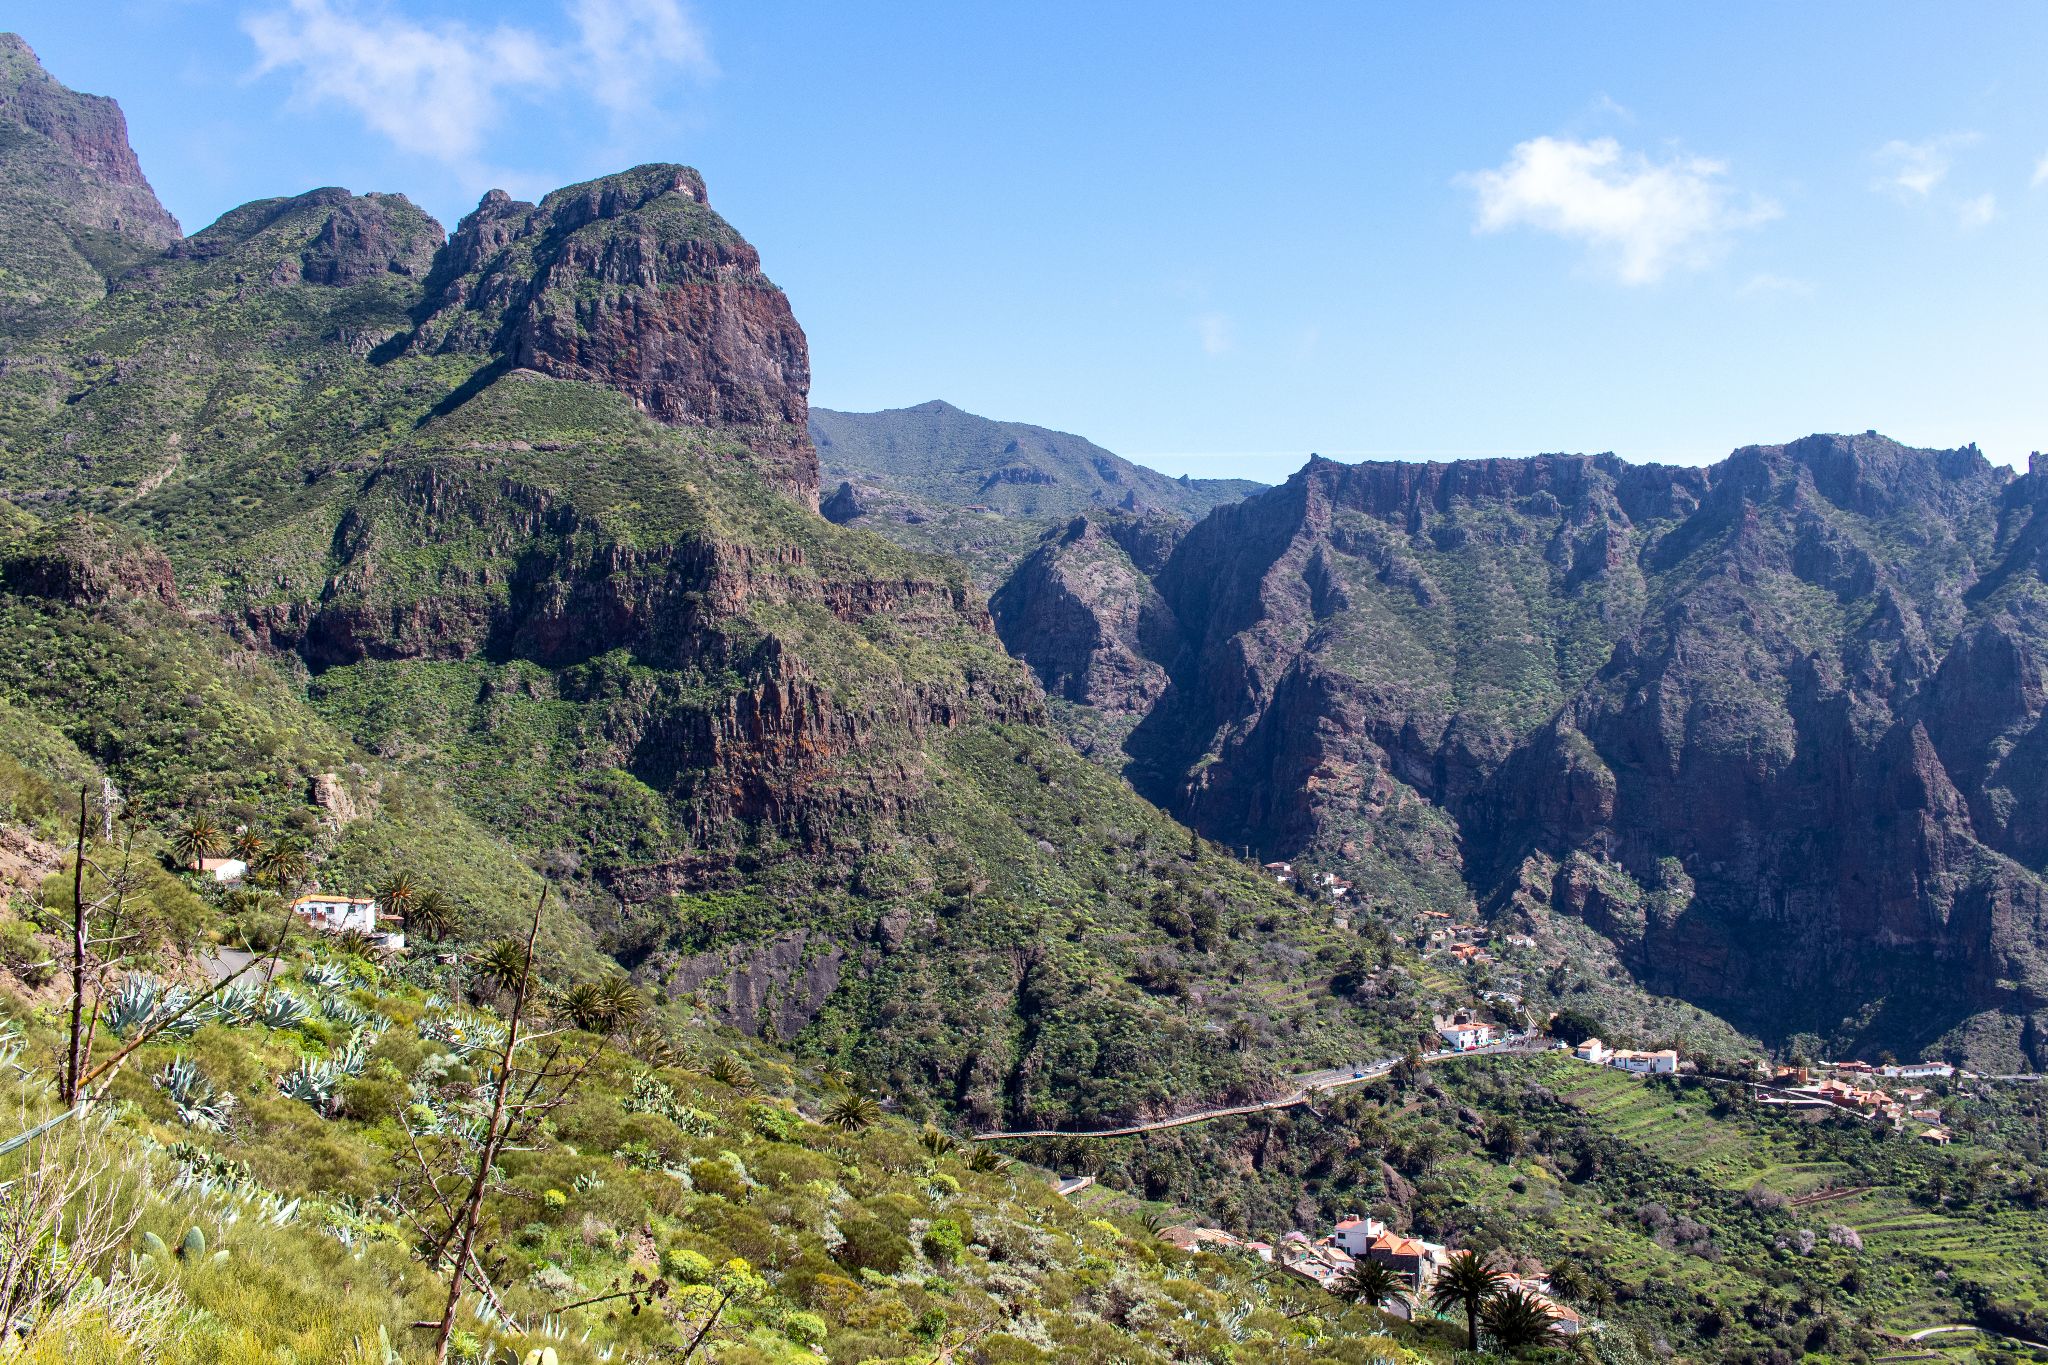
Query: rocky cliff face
1768	725
1081	609
106	187
634	283
75	210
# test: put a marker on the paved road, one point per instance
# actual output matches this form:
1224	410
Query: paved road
1303	1089
1926	1332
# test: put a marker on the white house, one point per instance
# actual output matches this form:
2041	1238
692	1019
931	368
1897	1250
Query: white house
224	869
1594	1051
338	914
1912	1070
1660	1063
1355	1234
1463	1035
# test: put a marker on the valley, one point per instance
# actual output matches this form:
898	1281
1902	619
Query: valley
840	886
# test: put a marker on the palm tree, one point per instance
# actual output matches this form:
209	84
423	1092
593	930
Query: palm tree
198	840
502	966
853	1113
601	1006
936	1141
246	845
397	895
284	864
1568	1281
432	914
623	1002
730	1072
1467	1282
987	1160
1516	1320
1242	1033
1372	1283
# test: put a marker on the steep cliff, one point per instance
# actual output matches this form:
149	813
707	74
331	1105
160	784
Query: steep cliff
633	282
74	206
1761	724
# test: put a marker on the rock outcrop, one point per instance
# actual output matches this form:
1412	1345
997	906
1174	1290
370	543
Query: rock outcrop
1082	611
632	281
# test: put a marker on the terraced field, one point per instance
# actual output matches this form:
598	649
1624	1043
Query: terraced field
2006	1251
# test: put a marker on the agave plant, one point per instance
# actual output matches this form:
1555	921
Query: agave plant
464	1032
281	1010
354	1055
313	1081
198	1104
324	976
343	1010
236	1003
142	1000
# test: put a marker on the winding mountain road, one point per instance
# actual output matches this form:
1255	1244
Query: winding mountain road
1306	1088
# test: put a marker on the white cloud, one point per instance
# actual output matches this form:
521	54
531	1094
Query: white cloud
1766	285
439	89
1213	329
630	43
1913	169
2041	172
1975	213
1643	217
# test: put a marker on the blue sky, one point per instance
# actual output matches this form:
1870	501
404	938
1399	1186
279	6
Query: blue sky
1217	237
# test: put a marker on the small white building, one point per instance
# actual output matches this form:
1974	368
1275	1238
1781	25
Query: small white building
1663	1062
1463	1035
1594	1051
1355	1234
1915	1070
338	914
228	870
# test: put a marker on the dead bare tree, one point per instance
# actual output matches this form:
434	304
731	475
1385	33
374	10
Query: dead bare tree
95	950
494	1137
521	1097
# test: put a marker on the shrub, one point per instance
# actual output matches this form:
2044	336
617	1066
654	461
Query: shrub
873	1245
944	1242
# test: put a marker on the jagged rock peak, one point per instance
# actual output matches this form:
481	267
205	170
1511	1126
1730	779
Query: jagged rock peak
632	281
326	236
91	131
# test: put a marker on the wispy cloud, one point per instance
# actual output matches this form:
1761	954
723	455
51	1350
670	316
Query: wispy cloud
440	89
631	44
1640	217
1766	285
1976	212
2041	172
1213	330
1914	169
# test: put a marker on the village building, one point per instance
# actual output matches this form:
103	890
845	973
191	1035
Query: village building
1462	1033
1662	1062
1189	1238
1282	873
225	870
1940	1137
1916	1070
333	914
1593	1051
